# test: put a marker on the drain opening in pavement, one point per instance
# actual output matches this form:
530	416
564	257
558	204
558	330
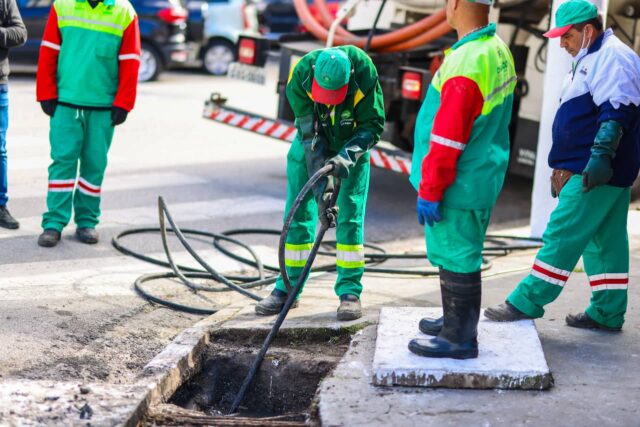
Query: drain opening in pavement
285	385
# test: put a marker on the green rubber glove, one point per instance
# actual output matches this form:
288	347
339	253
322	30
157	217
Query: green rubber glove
353	149
598	170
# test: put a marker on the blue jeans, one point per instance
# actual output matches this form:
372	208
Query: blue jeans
4	124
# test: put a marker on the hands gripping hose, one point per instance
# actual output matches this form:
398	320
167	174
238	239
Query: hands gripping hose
292	293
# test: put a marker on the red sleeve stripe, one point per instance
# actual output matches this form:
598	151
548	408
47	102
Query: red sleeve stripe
129	56
448	142
50	45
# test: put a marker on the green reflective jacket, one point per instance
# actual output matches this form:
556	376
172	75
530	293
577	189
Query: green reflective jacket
484	58
362	109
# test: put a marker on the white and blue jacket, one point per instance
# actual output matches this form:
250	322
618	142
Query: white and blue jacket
603	85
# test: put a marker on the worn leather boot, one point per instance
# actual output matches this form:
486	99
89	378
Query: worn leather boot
350	307
6	220
582	320
431	326
461	295
273	303
505	312
49	238
87	235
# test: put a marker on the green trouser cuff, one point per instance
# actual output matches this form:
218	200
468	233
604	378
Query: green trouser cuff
349	281
522	303
294	275
52	226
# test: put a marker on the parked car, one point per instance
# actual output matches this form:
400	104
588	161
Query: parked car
280	17
162	33
214	26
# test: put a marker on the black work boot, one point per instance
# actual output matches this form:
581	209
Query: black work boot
273	303
6	220
49	238
584	321
350	307
461	294
431	326
505	312
87	235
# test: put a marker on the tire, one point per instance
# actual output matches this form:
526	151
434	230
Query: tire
217	56
150	63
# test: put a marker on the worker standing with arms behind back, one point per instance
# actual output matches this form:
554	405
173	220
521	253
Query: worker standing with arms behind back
595	156
86	82
459	163
337	102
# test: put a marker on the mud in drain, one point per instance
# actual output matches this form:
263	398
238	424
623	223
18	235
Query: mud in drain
283	389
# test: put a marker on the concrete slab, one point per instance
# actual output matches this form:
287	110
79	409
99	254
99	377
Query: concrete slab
510	355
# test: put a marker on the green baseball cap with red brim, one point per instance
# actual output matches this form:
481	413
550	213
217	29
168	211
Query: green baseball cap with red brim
331	76
570	13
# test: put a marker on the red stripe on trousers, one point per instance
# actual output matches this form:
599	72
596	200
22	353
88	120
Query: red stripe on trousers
90	190
610	282
550	273
70	185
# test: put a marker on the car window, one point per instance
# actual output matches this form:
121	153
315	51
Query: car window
35	3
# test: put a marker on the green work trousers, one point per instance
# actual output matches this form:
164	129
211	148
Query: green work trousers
593	225
80	140
455	243
351	202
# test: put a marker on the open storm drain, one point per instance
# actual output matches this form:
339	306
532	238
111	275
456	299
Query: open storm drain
282	392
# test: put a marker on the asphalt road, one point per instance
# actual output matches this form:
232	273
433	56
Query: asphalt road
70	313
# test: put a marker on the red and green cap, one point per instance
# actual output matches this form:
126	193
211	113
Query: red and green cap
331	77
570	13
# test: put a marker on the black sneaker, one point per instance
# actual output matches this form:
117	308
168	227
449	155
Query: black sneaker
87	235
582	320
505	312
6	220
49	238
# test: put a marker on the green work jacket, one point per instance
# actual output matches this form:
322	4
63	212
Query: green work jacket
362	109
484	58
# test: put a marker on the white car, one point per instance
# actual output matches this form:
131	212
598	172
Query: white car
222	22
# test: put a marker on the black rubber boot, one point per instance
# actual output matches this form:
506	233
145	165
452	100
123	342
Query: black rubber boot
461	295
273	303
431	326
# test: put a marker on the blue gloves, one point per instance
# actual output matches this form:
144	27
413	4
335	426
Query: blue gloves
428	212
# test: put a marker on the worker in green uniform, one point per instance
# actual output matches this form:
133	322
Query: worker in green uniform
459	163
339	115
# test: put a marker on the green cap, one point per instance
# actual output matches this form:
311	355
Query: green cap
331	76
570	13
487	2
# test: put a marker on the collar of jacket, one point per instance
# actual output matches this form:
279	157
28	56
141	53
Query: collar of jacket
486	31
105	2
597	44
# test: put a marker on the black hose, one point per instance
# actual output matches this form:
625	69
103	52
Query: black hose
292	293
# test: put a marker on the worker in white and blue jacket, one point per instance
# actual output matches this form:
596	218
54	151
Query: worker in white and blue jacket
596	157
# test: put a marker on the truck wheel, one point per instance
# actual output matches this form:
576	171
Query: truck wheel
217	56
150	63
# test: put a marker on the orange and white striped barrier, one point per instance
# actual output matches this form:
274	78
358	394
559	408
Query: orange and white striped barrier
286	131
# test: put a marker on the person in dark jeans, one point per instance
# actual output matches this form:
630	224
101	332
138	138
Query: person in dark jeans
12	34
